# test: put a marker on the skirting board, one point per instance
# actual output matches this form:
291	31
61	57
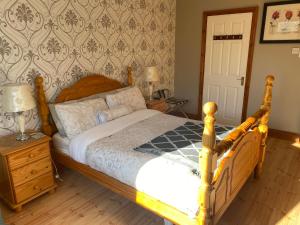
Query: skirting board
285	135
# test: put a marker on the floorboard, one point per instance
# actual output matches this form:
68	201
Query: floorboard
272	200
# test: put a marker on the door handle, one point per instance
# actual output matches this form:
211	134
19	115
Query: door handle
242	79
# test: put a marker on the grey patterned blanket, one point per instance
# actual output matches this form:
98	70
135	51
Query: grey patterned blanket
184	141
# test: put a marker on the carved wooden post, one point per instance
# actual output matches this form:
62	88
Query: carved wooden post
42	107
263	125
206	163
129	76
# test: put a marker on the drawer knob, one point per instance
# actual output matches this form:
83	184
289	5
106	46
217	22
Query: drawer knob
33	172
36	187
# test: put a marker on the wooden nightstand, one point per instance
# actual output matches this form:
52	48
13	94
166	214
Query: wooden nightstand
159	105
25	169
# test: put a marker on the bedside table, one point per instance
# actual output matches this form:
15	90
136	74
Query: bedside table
25	169
159	105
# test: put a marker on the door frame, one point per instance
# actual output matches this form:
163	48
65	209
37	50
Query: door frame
206	14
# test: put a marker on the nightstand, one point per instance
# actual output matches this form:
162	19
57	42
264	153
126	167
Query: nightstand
159	105
25	169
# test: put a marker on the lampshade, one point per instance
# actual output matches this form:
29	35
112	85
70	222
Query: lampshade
151	74
17	98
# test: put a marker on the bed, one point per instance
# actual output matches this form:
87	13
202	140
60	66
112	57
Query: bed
180	190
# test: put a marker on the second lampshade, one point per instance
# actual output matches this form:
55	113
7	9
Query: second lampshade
152	76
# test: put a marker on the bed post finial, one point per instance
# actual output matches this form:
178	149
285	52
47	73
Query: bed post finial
268	92
206	163
263	125
129	76
42	106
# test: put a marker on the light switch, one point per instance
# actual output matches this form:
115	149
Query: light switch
295	51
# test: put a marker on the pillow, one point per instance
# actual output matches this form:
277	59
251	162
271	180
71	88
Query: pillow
78	117
130	97
56	120
55	117
113	113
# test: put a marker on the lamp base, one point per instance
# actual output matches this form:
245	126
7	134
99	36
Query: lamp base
22	137
150	91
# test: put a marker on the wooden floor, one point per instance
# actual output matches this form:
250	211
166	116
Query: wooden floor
274	199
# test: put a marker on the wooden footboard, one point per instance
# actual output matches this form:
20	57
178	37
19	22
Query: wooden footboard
234	170
243	152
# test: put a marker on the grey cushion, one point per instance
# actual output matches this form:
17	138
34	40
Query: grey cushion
113	113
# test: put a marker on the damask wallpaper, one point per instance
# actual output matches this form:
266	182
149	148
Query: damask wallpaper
64	40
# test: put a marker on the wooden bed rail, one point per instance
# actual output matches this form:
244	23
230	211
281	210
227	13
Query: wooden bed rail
207	157
228	141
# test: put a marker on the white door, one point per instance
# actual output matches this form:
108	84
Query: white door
226	57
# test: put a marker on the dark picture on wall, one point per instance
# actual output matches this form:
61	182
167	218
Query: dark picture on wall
281	22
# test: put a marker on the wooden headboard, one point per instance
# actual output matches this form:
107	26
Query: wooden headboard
85	87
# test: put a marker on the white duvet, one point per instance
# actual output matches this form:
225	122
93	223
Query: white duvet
108	148
79	144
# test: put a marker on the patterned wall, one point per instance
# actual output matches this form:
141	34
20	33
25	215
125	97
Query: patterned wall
64	40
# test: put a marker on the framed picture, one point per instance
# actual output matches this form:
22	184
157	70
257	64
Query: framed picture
281	22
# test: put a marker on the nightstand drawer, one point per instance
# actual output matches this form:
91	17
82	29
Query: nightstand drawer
31	171
163	107
34	187
18	159
159	105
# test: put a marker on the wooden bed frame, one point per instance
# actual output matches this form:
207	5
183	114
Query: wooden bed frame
245	152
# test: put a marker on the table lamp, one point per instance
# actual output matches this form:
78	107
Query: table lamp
152	76
17	98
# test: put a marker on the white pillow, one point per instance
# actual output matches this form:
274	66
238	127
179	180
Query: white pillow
113	113
55	117
56	120
78	117
130	97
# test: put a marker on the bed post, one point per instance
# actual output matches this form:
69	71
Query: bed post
206	163
130	80
263	125
43	107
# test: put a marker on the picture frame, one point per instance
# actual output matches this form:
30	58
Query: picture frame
281	22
